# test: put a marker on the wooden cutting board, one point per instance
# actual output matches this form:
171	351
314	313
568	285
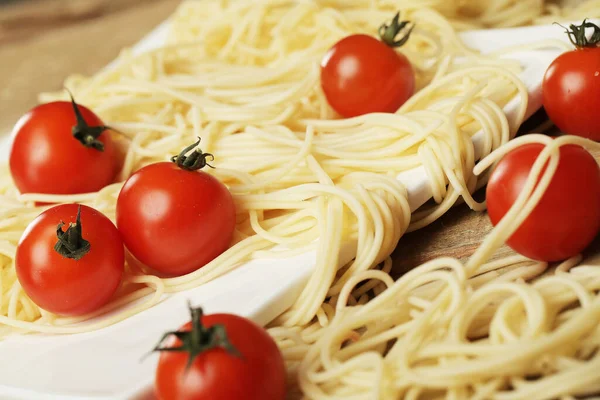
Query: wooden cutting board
42	42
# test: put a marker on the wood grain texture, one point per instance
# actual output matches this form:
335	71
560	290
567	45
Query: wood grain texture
457	234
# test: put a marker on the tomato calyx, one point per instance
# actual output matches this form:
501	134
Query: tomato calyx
195	161
85	134
71	243
199	339
576	34
388	33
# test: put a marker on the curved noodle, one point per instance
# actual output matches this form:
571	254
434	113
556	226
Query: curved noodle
244	76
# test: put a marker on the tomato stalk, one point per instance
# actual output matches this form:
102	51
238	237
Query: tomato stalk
388	33
194	161
71	243
576	34
85	134
199	339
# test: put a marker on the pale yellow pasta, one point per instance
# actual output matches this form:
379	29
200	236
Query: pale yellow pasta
244	76
452	330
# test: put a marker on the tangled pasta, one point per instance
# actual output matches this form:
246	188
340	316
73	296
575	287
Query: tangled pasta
244	76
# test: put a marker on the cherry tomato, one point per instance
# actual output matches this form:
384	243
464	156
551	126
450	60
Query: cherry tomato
571	91
47	157
175	220
72	281
361	74
232	359
566	219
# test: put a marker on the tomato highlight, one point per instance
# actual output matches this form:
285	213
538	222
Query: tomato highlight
567	217
571	85
62	148
361	75
72	271
175	218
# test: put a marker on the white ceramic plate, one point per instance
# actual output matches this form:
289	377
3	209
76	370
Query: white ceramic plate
106	364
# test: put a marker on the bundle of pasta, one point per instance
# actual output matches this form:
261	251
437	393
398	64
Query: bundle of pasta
474	330
244	76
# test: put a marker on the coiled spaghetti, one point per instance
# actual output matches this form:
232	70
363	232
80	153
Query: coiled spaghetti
244	76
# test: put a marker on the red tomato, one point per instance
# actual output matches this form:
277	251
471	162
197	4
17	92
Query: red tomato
70	286
566	219
571	92
243	362
175	220
46	157
362	75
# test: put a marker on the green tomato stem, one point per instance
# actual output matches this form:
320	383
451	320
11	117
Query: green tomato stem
388	33
85	134
195	161
199	339
71	243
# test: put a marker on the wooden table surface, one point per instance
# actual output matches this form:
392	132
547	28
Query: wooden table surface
42	42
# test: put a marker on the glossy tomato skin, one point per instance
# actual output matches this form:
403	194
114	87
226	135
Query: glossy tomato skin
218	375
65	286
46	158
571	92
361	75
566	219
175	221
